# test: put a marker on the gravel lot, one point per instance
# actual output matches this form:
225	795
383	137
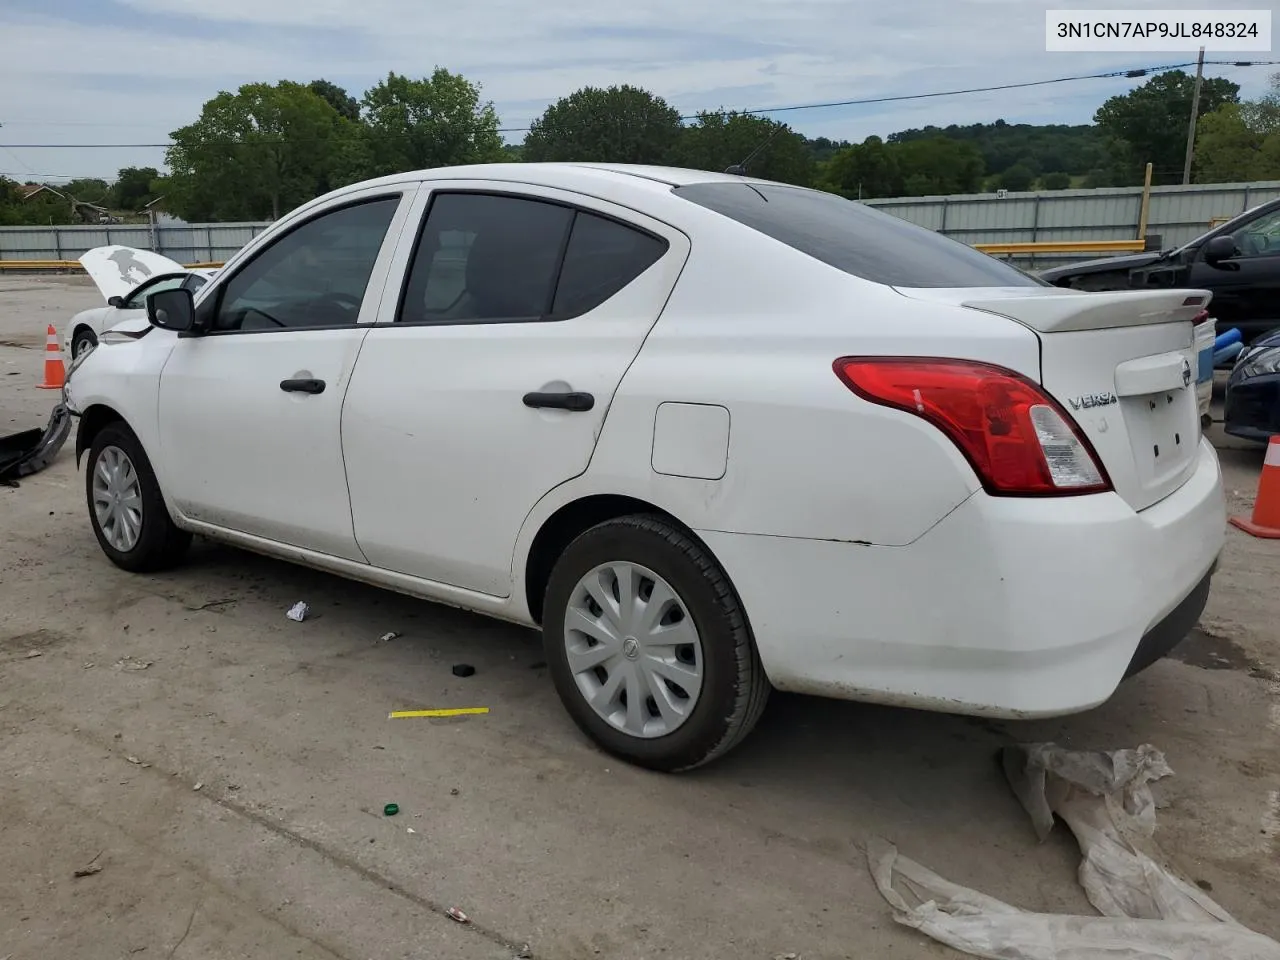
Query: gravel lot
232	790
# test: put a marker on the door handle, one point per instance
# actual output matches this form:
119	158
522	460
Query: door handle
302	386
577	402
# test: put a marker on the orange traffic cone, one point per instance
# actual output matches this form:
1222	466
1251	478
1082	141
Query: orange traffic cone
1265	521
55	374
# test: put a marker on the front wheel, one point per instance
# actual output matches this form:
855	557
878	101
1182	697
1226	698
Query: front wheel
82	341
127	511
649	647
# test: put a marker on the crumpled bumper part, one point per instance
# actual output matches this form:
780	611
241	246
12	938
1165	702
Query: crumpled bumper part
30	451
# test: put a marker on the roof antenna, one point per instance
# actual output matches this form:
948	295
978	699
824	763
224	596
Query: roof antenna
740	169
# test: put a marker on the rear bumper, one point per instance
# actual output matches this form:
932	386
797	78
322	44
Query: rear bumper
1014	608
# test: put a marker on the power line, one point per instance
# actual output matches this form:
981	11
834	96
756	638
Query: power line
1133	73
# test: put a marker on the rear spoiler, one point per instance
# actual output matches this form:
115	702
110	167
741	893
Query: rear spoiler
1075	310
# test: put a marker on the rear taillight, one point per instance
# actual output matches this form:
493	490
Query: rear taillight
1019	441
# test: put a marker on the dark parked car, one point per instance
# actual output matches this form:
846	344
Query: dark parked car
1253	390
1238	260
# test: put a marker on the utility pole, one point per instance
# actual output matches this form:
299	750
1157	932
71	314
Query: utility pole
1191	127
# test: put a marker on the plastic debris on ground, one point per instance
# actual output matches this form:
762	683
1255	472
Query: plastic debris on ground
463	670
28	452
1147	911
388	637
129	663
456	914
298	612
391	809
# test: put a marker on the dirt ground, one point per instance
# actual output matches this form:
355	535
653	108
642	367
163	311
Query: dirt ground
226	768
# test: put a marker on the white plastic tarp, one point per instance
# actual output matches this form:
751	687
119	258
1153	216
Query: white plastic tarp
1148	912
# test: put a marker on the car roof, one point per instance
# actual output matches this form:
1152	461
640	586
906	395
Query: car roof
619	182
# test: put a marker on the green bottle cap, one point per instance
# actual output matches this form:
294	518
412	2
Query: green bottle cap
391	809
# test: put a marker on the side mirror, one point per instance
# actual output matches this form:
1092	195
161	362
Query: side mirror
117	302
171	310
1219	249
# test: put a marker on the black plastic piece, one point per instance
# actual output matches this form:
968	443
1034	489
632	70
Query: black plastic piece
463	670
302	386
1161	639
25	453
577	402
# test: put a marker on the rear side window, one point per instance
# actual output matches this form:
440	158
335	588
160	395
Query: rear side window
603	256
855	238
484	258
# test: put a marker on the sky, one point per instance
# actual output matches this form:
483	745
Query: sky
131	71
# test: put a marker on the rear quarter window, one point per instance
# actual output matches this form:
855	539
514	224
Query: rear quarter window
855	238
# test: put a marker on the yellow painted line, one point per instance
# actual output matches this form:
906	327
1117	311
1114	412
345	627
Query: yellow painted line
454	712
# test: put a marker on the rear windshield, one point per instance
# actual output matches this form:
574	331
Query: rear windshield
856	238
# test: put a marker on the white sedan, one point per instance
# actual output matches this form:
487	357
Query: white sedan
125	277
712	435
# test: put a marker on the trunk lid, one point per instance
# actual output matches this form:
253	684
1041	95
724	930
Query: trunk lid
1123	364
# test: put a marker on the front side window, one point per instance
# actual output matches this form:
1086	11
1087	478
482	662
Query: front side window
195	281
138	299
855	238
500	258
313	276
1261	238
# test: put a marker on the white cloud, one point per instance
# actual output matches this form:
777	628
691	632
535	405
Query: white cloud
68	78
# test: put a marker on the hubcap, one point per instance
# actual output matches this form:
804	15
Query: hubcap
117	499
633	649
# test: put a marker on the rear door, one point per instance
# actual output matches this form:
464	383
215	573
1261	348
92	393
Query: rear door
488	376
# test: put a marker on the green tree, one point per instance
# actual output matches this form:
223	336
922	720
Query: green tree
43	208
1226	148
1057	180
1017	178
939	167
133	187
437	121
89	190
717	141
1150	123
255	153
616	125
347	106
822	149
863	171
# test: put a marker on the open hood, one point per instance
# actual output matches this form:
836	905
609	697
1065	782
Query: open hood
117	270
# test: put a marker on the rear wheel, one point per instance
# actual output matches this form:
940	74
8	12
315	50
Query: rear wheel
127	511
648	645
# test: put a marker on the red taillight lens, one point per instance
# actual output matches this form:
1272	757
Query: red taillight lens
1019	441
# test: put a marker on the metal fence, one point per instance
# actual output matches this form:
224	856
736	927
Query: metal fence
1175	215
185	243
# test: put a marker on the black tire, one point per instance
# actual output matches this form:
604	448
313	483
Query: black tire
83	339
160	544
735	688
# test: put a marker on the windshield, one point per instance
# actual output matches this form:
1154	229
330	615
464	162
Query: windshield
856	238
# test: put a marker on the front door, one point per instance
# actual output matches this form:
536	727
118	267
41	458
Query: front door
1246	288
249	411
487	379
